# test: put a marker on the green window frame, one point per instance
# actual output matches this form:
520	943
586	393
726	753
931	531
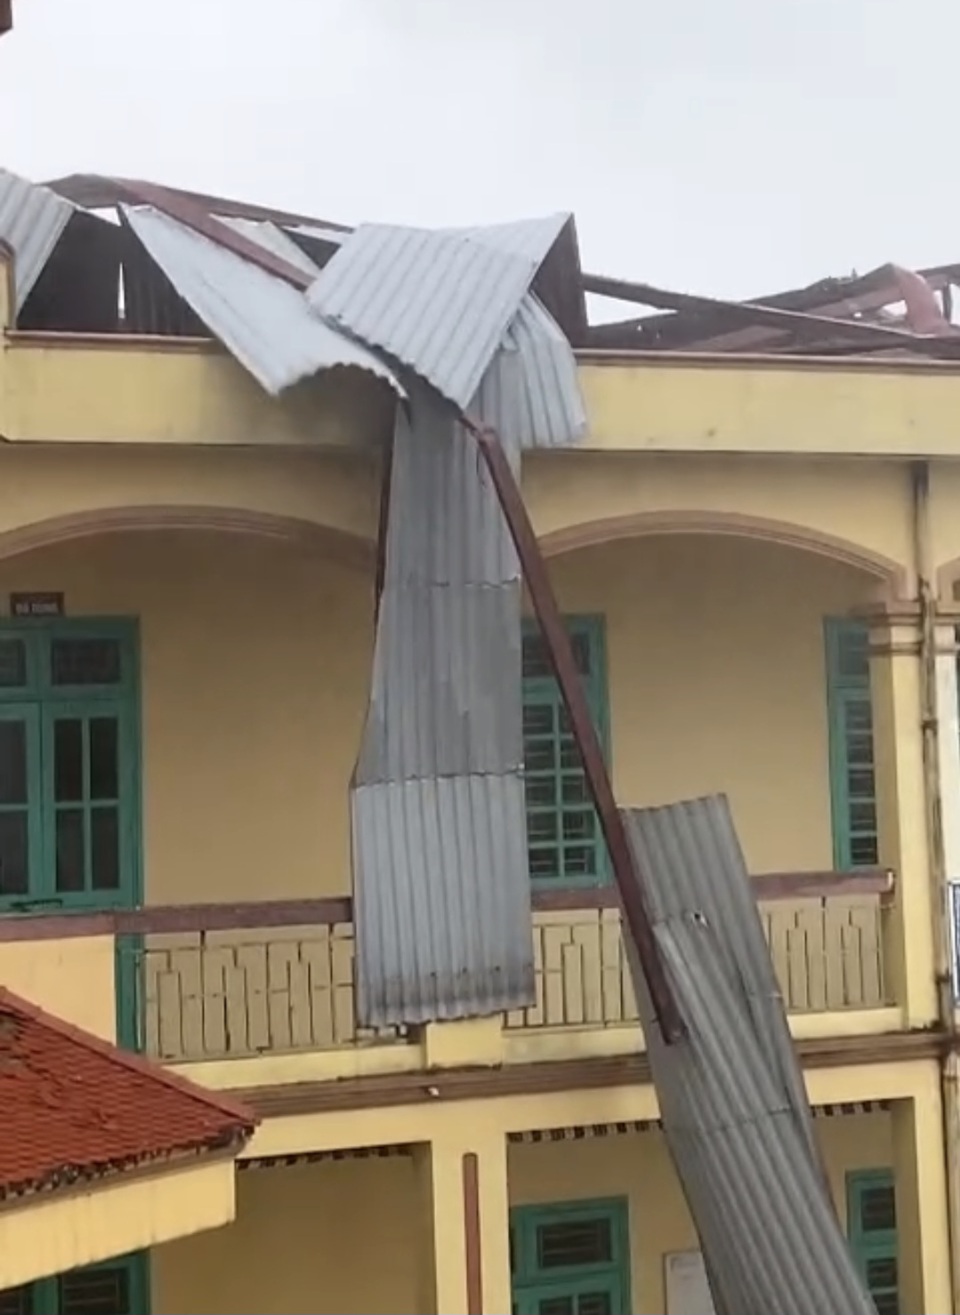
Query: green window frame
872	1234
70	778
116	1287
565	845
69	714
853	793
570	1258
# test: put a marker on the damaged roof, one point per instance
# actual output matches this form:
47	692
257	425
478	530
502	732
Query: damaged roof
291	297
76	1108
890	309
95	278
264	321
32	221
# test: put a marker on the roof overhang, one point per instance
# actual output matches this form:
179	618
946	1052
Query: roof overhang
54	1231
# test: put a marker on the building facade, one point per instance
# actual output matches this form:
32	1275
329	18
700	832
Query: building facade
757	560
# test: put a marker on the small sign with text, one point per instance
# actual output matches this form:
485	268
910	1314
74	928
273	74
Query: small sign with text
36	604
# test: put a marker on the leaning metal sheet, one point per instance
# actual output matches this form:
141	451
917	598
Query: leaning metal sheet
731	1092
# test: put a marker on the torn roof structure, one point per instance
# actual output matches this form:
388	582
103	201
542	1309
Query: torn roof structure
263	320
79	263
474	330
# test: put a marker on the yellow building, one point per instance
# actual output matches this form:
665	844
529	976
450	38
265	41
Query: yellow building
757	555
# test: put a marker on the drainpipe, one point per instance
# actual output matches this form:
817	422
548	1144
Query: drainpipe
937	865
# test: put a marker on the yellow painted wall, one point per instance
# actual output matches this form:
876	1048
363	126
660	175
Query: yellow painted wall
944	520
42	486
113	390
397	1125
340	1238
716	669
254	663
574	495
725	404
73	979
578	494
57	1231
348	1236
256	657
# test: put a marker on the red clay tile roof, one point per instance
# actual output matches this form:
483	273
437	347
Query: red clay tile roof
75	1107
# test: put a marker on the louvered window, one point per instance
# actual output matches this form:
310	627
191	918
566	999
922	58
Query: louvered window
119	1287
853	791
565	847
570	1259
872	1229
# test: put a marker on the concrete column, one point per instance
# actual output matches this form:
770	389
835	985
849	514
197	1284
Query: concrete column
466	1209
949	745
902	813
949	716
923	1237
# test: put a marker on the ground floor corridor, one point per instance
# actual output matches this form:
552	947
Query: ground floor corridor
597	1222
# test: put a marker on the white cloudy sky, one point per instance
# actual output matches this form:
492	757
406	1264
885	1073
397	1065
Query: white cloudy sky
724	146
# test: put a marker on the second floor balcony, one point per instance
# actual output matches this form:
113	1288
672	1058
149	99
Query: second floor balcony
177	741
202	983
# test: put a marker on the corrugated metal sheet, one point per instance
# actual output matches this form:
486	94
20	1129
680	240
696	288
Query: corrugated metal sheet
443	698
443	929
531	238
441	879
455	307
442	895
439	304
530	393
731	1093
262	320
32	220
459	536
272	238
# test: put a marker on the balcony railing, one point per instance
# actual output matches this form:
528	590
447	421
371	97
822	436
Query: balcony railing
827	950
218	981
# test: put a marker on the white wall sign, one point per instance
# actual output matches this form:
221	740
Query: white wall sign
688	1292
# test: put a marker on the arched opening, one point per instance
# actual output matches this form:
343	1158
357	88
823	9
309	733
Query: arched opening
247	671
890	578
717	675
331	541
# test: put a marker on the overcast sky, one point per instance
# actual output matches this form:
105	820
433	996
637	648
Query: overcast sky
725	146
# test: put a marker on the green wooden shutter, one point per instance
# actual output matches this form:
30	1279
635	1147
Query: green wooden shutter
21	823
572	1258
852	776
116	1287
872	1232
564	841
19	1301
